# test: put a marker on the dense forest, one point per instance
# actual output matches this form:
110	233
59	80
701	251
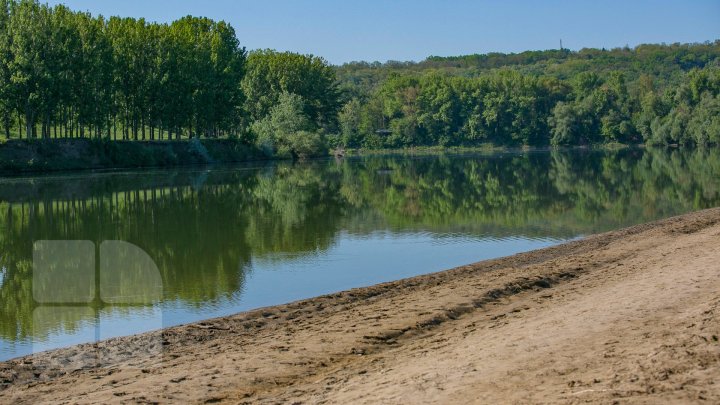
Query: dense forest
659	94
67	74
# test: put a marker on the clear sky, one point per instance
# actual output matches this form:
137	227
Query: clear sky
343	31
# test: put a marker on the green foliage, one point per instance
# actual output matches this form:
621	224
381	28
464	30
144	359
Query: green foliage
686	114
271	74
647	94
597	111
287	131
70	74
435	109
66	74
665	62
704	124
350	119
306	144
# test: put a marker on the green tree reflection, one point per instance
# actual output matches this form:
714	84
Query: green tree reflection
204	228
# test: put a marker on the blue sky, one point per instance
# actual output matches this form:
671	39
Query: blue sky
370	30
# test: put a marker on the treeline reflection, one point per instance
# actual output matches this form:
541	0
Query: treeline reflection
204	228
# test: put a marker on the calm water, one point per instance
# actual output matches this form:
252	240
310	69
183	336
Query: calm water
231	239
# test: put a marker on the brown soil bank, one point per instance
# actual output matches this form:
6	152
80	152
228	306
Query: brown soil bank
631	316
77	154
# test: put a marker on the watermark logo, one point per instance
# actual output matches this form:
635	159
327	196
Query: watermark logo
87	293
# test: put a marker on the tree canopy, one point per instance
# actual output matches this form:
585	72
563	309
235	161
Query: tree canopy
71	74
664	94
76	75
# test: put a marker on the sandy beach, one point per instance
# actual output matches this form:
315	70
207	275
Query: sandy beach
630	316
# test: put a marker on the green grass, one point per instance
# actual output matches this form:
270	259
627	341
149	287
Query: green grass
77	154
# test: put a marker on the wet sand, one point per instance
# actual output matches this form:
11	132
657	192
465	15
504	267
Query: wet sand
631	316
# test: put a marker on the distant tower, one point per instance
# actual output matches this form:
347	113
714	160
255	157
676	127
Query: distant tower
561	47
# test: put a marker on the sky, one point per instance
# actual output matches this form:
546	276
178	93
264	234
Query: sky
376	30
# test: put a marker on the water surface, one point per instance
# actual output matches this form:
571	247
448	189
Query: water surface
231	239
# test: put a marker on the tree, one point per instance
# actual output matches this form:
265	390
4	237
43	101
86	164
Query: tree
29	23
350	120
8	101
704	123
270	74
287	131
567	124
439	110
92	69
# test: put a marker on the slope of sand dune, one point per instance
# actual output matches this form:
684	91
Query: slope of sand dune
631	316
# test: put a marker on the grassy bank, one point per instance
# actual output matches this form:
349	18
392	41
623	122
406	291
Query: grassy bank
21	156
18	156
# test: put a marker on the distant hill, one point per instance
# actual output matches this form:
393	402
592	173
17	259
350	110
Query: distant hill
663	61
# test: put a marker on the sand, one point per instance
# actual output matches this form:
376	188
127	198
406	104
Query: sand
631	316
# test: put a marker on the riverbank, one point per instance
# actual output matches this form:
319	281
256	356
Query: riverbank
26	156
41	156
487	148
630	316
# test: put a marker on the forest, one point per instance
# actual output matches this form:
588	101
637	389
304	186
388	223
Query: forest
652	94
68	74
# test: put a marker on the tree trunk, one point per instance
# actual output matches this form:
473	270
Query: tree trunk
135	128
28	123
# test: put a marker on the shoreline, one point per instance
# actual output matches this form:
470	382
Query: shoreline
570	323
77	155
84	155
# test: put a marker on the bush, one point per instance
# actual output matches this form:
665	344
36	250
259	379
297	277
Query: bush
287	131
304	144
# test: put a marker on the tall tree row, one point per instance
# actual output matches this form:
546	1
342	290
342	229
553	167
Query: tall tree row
69	74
